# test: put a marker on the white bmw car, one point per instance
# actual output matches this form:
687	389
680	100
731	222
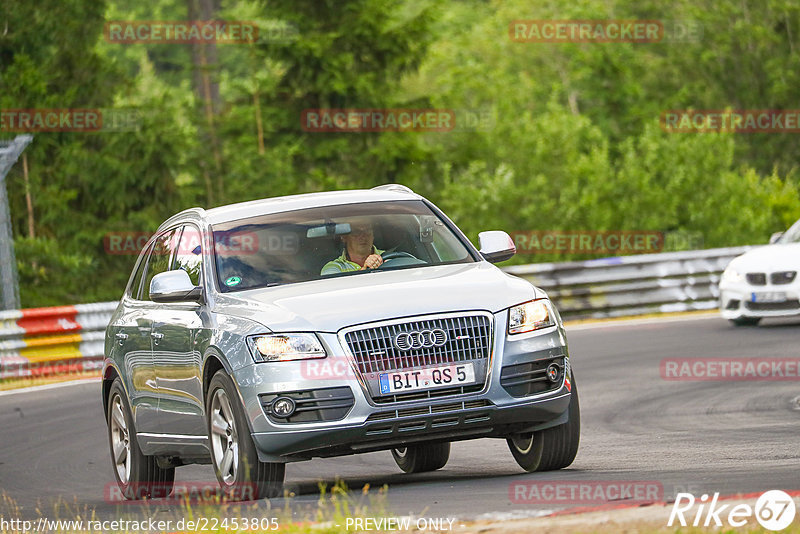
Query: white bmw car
763	282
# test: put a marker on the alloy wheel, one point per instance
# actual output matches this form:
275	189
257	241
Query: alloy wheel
224	438
120	440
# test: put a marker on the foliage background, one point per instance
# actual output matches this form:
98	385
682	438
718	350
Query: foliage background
573	142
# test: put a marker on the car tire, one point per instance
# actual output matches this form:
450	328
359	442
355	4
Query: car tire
233	453
137	475
552	448
745	321
422	458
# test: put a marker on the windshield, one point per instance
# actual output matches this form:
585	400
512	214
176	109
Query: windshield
303	245
792	235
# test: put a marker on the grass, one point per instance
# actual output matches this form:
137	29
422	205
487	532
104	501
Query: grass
328	516
336	504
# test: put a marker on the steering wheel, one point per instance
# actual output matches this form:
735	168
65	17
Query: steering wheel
403	258
394	255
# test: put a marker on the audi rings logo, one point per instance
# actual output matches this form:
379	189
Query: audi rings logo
422	339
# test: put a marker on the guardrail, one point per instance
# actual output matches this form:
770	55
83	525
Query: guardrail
68	340
632	285
61	340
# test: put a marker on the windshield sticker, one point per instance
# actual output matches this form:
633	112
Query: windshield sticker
233	281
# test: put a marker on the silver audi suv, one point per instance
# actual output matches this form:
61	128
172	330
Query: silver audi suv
322	325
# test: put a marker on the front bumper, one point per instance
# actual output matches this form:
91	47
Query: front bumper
491	412
736	300
460	424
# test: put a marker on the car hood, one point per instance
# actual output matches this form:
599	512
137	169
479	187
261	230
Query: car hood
769	258
331	304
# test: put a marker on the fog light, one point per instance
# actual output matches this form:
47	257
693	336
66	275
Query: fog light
553	372
283	407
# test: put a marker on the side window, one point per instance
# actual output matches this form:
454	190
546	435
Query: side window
136	283
162	253
189	256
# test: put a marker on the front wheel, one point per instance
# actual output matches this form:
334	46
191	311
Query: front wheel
553	448
138	476
422	458
240	473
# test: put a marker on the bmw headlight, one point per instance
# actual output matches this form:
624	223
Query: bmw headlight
530	316
732	276
285	347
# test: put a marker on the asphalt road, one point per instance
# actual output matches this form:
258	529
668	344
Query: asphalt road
730	437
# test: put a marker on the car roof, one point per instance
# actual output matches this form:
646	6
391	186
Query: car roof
254	208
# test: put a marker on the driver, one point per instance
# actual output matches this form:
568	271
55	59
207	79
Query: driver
359	251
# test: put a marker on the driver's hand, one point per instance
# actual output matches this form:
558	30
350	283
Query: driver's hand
373	261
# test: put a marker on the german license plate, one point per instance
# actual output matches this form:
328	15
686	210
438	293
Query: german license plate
427	378
769	296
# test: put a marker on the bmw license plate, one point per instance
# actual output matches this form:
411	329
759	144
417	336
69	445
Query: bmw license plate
427	378
769	296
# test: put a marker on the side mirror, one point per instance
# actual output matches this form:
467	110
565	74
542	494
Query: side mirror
174	286
496	246
774	237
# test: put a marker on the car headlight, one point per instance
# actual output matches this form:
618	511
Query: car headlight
530	316
285	347
732	276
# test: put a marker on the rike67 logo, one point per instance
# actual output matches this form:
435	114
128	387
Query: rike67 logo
774	510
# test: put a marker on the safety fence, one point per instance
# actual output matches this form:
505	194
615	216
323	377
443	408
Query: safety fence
68	340
632	285
62	340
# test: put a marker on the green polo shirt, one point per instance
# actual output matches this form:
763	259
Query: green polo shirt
343	265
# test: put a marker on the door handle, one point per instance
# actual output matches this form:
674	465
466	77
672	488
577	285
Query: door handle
157	336
121	337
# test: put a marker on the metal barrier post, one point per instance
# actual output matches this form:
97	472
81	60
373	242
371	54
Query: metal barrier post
9	285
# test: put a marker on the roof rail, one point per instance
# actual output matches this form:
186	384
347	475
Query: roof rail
393	187
200	212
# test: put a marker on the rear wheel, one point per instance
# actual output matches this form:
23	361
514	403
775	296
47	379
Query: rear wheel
233	452
553	448
746	321
138	476
422	458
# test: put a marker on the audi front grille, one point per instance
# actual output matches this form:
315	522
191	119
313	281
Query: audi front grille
422	342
